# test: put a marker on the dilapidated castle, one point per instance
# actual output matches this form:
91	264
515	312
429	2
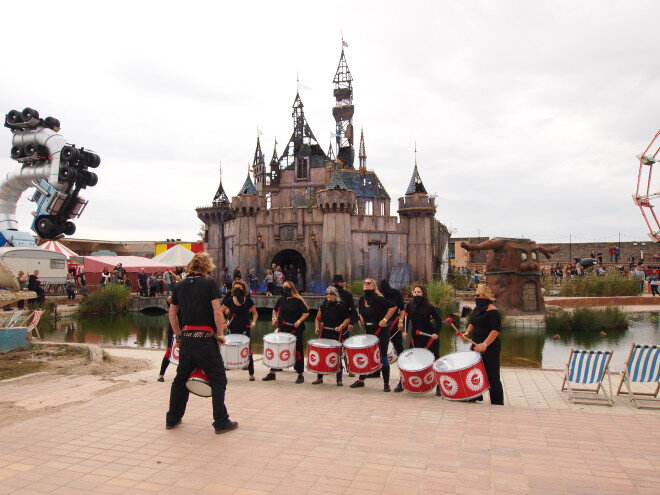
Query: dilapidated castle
320	213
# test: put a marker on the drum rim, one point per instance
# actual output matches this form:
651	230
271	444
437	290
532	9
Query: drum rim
365	335
288	336
416	351
457	369
313	342
232	336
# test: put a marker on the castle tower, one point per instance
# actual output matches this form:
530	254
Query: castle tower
417	212
337	203
245	208
343	113
259	168
274	169
214	218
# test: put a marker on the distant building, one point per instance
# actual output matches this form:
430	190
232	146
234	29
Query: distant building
319	213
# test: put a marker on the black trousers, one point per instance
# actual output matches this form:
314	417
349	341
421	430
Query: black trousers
383	340
202	353
491	359
654	290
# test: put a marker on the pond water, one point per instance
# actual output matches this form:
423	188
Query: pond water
522	347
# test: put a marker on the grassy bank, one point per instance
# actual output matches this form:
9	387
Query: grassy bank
593	285
587	320
113	298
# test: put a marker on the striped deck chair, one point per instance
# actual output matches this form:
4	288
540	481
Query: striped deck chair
642	366
36	316
586	367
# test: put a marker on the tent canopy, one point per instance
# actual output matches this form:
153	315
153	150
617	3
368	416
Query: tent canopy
176	256
132	264
58	247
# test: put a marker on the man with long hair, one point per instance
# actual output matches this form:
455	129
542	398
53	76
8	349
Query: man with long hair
197	298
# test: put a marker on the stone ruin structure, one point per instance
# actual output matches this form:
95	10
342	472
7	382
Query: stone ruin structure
320	213
513	272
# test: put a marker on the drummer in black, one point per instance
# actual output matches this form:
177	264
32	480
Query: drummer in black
346	298
374	312
420	311
170	344
242	315
484	328
331	322
198	298
395	324
289	315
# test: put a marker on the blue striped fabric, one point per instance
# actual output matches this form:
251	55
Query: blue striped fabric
644	365
587	366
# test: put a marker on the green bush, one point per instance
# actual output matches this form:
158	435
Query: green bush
113	298
457	280
441	295
612	284
355	287
586	320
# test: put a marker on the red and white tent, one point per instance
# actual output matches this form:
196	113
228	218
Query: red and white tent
58	247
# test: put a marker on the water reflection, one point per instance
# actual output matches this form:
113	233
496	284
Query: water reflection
529	347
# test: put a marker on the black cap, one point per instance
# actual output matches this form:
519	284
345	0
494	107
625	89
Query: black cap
337	278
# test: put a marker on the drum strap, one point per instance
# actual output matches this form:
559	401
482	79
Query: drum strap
394	323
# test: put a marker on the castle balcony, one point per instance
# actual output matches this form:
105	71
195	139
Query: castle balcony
416	205
248	205
336	200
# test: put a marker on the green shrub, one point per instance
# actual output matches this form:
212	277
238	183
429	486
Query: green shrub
457	280
113	298
586	320
612	284
355	287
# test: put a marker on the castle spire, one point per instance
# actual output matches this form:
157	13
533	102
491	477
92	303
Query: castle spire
248	187
220	197
416	185
343	112
362	155
274	157
258	155
331	152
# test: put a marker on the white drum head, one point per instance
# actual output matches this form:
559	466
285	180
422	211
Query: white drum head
199	387
415	359
236	339
279	338
457	361
361	341
324	343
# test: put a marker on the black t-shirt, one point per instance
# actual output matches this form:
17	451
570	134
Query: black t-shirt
289	310
239	316
377	309
193	296
142	279
420	319
483	322
333	313
394	296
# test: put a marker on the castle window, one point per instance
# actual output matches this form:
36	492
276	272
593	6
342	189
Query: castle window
382	209
368	207
269	201
302	168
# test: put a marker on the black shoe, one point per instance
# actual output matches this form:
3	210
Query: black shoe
386	388
351	374
300	379
398	388
340	383
268	377
230	425
161	379
357	384
169	427
318	381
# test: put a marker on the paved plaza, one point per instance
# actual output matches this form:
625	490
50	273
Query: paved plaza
86	434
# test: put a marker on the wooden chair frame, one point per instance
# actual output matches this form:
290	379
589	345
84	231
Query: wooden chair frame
586	395
640	399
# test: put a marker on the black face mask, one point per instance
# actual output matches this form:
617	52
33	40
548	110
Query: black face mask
481	303
369	295
286	291
239	295
418	300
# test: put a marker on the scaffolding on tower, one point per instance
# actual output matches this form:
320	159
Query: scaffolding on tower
643	196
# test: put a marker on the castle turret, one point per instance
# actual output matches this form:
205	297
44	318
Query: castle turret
274	169
337	203
215	217
417	212
259	168
245	207
343	113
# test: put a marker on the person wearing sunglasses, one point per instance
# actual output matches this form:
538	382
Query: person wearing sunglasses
485	327
374	312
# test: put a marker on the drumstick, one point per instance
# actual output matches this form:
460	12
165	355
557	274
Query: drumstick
458	332
430	335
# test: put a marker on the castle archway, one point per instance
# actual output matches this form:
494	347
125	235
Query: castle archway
287	257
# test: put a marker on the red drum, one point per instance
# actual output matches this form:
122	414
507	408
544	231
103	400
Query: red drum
363	354
236	351
392	355
198	383
461	375
416	367
279	350
323	356
174	355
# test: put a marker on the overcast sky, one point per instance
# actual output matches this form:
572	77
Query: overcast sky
527	115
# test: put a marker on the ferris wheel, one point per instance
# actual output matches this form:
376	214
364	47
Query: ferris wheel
643	197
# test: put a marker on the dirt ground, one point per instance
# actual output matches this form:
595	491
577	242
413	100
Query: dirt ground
64	360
